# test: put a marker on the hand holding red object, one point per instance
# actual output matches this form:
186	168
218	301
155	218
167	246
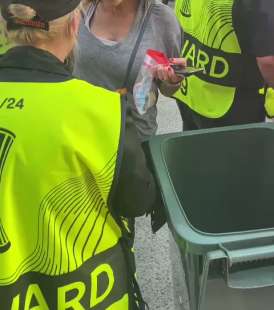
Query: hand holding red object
166	73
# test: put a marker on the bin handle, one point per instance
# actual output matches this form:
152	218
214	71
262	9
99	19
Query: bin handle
250	254
251	278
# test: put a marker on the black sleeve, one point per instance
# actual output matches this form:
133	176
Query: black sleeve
254	24
135	189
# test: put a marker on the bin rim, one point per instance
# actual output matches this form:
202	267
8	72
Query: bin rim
197	241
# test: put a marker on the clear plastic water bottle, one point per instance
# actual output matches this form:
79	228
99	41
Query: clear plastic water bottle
141	92
143	85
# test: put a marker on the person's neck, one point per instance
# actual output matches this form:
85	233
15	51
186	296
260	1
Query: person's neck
124	6
59	50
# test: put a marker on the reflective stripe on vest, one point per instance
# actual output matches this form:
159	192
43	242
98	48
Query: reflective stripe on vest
59	244
210	42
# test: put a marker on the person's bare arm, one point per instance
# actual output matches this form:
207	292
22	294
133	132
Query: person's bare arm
266	66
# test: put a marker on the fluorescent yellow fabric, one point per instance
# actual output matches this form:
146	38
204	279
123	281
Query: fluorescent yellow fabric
60	142
210	42
121	304
269	102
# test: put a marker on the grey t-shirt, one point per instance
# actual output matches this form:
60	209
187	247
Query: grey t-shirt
105	65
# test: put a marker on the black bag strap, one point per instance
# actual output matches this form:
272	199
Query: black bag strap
137	44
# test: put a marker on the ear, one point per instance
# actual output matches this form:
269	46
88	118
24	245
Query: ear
75	24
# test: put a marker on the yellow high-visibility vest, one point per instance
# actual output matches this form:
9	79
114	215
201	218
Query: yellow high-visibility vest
60	246
211	42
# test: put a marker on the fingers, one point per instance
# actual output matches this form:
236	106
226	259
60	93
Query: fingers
179	61
166	73
161	72
172	77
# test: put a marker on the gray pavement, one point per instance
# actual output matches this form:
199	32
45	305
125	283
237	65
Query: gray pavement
152	251
154	266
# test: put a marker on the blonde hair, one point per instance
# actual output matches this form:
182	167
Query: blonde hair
32	36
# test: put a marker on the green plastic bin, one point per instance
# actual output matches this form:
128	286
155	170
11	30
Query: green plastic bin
218	190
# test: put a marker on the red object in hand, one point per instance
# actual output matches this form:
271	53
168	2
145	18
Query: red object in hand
159	57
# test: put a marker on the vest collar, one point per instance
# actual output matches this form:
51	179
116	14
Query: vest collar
31	58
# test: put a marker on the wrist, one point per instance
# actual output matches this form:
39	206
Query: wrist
172	84
168	89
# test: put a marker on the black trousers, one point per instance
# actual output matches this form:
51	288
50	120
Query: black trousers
243	111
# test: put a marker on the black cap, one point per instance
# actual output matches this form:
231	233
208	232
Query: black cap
46	10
